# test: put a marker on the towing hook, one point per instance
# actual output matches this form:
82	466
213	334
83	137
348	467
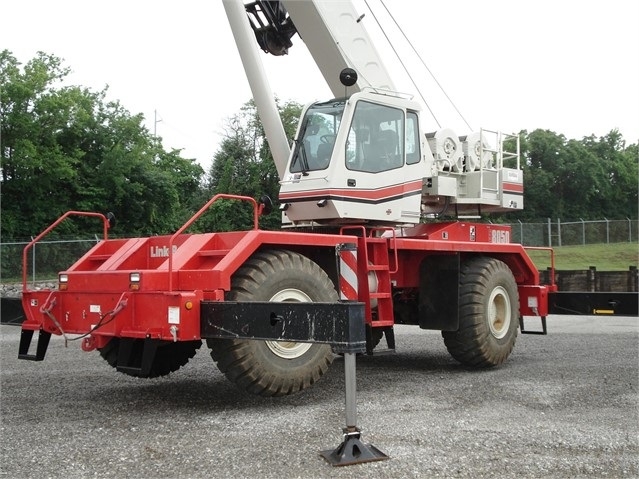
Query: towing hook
174	333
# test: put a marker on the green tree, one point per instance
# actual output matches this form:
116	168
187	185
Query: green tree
590	178
243	165
540	162
68	148
620	164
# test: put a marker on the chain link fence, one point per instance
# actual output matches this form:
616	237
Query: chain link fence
46	258
566	233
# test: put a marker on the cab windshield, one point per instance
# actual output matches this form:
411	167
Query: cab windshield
314	146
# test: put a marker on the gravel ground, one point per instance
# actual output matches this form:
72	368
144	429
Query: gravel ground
564	405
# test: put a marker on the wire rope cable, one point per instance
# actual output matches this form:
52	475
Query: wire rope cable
420	59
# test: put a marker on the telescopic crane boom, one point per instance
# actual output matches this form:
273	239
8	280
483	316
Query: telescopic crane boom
337	39
262	93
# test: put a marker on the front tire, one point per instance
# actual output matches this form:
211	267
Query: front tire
275	368
488	314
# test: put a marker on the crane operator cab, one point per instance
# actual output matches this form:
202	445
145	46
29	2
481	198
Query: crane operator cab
365	159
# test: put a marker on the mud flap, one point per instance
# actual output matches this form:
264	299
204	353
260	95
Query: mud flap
129	363
439	293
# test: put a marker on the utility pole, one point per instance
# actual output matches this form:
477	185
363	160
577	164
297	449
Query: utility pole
155	123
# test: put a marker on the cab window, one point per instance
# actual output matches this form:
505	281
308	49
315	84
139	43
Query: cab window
314	148
413	153
376	138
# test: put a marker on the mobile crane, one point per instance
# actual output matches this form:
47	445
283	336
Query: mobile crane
363	191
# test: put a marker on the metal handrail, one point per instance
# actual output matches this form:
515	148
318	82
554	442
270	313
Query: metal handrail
257	210
552	259
105	226
392	244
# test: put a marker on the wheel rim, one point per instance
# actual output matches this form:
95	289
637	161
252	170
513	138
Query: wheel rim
289	349
499	312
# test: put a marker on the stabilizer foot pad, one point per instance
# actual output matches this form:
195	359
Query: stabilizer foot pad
353	451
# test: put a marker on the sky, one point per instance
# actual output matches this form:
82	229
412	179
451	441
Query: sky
564	65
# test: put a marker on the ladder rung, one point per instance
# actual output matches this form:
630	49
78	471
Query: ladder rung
382	324
377	267
380	295
382	352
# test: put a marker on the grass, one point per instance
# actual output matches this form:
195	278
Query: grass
604	257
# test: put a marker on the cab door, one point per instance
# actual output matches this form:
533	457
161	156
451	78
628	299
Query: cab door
382	175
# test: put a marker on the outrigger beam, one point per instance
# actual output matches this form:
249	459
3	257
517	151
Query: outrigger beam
339	324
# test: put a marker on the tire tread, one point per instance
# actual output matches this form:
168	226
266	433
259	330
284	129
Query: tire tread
235	359
470	343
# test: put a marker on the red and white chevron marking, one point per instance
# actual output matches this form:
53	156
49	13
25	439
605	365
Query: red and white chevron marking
348	273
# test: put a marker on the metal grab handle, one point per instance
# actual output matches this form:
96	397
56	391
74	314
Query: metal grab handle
105	226
256	214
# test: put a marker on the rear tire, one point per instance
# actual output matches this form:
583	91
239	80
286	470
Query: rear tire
488	314
270	368
169	356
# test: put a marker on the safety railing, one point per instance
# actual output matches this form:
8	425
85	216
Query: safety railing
257	210
499	139
25	251
552	260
